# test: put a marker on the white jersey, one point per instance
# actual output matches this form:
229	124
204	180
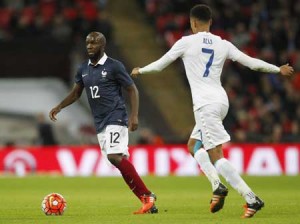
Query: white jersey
203	55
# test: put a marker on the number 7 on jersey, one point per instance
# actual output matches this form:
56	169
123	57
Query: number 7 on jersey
210	60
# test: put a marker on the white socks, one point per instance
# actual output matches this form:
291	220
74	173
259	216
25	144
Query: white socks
224	167
231	175
207	167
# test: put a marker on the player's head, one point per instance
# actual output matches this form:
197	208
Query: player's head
200	16
95	45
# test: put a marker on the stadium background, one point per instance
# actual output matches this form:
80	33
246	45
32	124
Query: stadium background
42	43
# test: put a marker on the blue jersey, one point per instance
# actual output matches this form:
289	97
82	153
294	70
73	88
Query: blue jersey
103	85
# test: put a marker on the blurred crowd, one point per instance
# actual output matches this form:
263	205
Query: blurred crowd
264	107
61	20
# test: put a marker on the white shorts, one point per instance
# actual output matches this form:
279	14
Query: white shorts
209	126
114	140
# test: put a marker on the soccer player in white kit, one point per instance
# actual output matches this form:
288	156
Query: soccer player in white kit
203	55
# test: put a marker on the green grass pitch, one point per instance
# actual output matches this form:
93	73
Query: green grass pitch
180	200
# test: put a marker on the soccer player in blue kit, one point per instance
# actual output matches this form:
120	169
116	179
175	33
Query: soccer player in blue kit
103	79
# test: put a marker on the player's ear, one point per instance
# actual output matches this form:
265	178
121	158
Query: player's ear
192	23
210	22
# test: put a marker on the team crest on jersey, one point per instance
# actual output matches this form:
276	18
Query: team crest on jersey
104	74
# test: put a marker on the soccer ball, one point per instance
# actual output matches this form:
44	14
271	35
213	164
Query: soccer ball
54	204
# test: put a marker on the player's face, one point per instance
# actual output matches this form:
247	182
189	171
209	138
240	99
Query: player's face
94	46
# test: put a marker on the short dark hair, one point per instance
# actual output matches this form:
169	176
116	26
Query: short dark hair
201	12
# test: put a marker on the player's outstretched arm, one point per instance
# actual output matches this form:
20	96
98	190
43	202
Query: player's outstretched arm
153	67
71	98
286	70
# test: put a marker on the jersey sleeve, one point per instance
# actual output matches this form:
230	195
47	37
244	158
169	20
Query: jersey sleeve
175	52
253	63
257	64
122	75
177	49
78	76
233	52
157	65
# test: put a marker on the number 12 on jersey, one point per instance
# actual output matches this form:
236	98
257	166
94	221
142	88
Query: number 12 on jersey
94	92
210	60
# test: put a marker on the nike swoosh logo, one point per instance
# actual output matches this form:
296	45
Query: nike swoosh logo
84	75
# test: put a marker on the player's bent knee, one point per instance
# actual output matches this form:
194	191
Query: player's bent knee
115	159
191	145
215	154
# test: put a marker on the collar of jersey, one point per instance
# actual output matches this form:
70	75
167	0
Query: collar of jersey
101	61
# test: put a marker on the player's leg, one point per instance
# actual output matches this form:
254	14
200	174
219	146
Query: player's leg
232	177
202	158
194	144
135	183
114	141
230	174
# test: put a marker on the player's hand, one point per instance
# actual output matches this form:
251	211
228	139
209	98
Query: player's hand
133	123
286	70
135	72
53	112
